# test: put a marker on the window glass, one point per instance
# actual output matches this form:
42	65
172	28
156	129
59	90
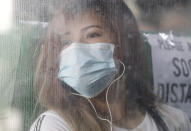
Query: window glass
95	65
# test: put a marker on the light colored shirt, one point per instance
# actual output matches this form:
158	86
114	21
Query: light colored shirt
49	121
175	119
148	124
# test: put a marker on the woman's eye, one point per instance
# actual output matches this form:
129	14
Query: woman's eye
93	35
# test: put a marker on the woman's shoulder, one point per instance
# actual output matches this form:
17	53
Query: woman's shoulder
175	118
175	112
49	121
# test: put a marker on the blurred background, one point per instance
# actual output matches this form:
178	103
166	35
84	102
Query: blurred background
152	15
162	15
22	30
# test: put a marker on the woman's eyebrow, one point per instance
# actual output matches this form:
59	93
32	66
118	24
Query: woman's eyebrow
91	26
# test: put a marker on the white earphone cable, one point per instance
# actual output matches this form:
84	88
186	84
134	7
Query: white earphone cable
109	121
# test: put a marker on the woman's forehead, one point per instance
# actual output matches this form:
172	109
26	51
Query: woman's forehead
63	24
84	17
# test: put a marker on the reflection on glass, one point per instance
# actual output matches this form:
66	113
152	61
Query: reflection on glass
5	15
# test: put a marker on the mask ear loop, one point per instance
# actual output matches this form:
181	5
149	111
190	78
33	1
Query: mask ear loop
107	103
119	44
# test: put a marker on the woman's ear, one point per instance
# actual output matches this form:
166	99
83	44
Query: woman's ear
118	34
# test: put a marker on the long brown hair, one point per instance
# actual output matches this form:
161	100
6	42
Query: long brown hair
56	95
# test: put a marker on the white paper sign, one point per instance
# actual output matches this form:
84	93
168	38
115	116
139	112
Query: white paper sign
171	61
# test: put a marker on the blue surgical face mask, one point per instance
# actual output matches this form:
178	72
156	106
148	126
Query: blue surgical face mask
87	68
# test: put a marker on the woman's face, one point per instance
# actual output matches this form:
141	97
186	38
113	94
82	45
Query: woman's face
86	28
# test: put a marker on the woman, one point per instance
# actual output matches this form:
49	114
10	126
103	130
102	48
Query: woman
92	73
